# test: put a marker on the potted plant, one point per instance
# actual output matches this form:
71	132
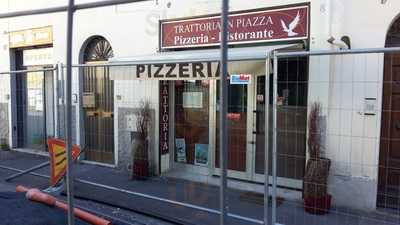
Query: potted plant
316	197
141	141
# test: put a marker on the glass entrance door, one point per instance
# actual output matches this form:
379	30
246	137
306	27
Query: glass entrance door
291	123
237	127
197	122
240	120
35	117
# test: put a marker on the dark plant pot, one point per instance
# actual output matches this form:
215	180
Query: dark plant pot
140	170
318	206
316	178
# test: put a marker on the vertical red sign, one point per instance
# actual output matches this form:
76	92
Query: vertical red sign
164	117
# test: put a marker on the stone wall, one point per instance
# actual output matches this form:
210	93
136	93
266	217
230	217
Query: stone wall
4	122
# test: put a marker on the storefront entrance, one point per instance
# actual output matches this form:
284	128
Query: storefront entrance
291	123
35	99
193	108
35	126
197	127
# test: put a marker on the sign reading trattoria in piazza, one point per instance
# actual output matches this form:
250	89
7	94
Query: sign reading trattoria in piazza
282	24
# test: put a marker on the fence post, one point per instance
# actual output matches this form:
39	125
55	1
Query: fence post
223	112
68	119
274	138
266	139
57	89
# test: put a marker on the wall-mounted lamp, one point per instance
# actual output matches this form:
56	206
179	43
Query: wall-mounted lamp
343	43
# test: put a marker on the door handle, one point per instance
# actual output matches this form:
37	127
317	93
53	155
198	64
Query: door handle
252	142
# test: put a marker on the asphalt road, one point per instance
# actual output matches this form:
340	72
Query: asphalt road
122	217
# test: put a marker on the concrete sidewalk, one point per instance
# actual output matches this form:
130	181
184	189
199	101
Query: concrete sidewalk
183	201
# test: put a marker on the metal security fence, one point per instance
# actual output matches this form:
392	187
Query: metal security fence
330	152
34	105
311	140
351	136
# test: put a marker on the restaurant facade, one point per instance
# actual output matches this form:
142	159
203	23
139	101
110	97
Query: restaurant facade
167	52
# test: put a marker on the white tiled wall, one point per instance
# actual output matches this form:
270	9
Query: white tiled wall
352	136
128	94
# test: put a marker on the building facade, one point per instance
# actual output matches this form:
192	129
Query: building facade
183	138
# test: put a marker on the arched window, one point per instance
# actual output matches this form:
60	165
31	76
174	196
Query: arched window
98	49
393	35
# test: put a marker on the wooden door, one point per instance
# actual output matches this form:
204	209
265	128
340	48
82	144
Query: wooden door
389	158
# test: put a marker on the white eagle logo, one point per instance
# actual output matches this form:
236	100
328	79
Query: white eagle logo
292	25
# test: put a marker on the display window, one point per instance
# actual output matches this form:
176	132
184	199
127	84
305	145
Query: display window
197	114
191	122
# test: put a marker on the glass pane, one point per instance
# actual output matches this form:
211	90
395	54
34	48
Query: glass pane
260	124
191	122
237	127
291	117
35	130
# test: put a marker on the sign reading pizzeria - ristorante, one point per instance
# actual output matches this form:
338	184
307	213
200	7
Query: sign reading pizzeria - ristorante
244	27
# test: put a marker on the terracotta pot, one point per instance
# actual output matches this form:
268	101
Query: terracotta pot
140	169
317	206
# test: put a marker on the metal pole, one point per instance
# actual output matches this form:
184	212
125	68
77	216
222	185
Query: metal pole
337	52
27	171
57	101
223	137
58	9
266	140
63	106
68	119
27	71
274	138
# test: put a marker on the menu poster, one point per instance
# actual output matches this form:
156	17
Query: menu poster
180	148
193	100
201	154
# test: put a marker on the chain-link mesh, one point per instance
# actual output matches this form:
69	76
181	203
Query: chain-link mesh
152	146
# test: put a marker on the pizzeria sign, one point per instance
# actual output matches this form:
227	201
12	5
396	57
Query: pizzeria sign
284	24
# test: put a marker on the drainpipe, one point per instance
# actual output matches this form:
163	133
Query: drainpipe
340	43
328	9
